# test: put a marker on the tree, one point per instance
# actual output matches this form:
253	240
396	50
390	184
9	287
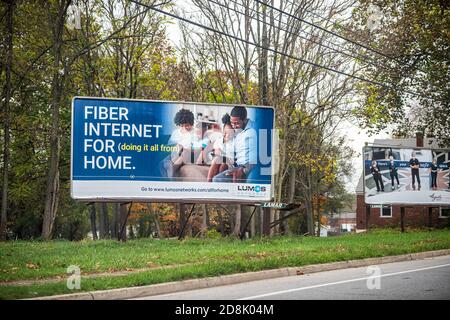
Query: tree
6	116
308	99
56	15
413	37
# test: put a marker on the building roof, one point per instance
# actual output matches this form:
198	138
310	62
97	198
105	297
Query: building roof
407	143
344	215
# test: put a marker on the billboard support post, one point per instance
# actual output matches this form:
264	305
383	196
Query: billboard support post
266	221
242	233
430	217
402	219
181	235
367	216
124	214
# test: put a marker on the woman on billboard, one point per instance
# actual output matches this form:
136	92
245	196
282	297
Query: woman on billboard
376	174
393	172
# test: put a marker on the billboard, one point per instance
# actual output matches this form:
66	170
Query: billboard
129	150
406	176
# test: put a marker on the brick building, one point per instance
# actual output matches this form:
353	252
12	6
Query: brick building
386	215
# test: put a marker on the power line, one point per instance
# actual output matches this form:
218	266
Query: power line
257	45
396	59
333	43
323	18
270	49
359	56
302	37
325	30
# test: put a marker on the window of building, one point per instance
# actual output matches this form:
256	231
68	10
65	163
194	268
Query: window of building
386	211
444	212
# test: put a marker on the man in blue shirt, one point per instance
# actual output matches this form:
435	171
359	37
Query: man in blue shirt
245	148
393	172
415	165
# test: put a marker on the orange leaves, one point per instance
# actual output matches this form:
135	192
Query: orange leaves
32	266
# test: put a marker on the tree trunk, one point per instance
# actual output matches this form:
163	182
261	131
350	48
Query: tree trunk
273	217
237	220
253	225
52	185
182	218
221	223
263	70
185	221
156	219
157	225
6	119
291	198
205	221
263	84
123	221
318	211
92	216
104	221
265	221
101	222
189	222
309	206
115	221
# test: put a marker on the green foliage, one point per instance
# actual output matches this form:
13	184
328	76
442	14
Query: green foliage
136	61
414	33
213	234
123	51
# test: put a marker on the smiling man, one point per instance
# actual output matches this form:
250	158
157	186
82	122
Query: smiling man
245	148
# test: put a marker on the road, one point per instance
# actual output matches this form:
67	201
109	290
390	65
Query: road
418	279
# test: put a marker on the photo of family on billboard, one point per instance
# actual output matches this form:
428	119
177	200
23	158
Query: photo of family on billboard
213	144
396	175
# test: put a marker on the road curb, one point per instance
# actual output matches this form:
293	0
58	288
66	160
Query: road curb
170	287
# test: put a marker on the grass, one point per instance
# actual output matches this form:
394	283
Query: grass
188	259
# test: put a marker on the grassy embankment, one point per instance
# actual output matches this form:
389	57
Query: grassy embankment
157	261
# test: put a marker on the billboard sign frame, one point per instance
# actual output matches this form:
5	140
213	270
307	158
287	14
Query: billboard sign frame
434	202
181	199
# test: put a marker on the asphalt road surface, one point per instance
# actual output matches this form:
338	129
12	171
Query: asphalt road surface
418	279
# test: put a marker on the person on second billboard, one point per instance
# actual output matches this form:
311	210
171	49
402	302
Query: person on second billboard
244	148
415	165
434	172
393	172
376	174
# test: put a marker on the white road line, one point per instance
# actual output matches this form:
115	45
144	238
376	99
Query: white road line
340	282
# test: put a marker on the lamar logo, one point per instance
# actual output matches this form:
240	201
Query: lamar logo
252	188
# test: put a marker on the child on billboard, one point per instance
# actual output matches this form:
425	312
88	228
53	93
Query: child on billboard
223	155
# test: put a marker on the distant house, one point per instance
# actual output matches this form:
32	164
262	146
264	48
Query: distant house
387	215
324	231
343	221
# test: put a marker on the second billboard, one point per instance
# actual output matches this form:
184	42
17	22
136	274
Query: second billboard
394	175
